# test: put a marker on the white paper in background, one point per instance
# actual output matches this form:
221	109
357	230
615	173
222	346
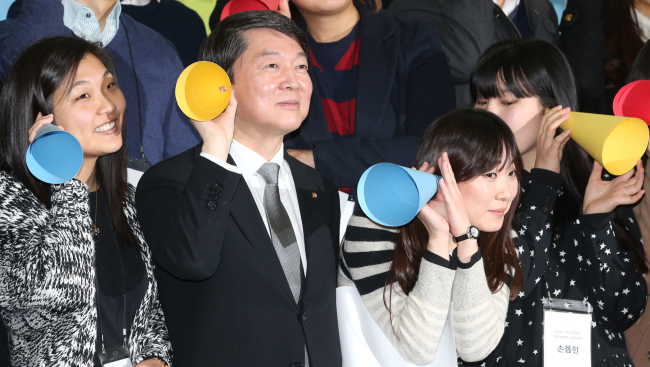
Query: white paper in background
126	362
133	176
567	339
347	207
363	344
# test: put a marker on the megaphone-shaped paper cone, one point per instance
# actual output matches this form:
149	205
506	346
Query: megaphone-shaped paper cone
393	195
236	6
633	101
203	91
617	143
54	156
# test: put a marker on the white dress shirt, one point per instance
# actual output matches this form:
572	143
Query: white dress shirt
84	24
644	24
509	6
247	163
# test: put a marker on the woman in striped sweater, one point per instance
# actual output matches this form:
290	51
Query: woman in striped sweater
408	276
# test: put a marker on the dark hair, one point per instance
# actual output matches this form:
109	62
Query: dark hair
227	41
535	68
641	68
475	141
43	68
622	40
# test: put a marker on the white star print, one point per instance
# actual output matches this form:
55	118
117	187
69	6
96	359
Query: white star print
575	242
557	292
579	258
573	282
521	360
533	207
624	311
483	364
518	312
622	273
616	294
601	303
532	253
631	220
626	291
522	232
593	236
626	260
607	251
521	294
537	280
537	238
562	261
520	342
535	352
548	226
562	253
593	324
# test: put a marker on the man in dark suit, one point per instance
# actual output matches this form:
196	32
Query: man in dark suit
244	236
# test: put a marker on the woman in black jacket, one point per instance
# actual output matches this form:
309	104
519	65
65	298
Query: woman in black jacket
76	277
378	83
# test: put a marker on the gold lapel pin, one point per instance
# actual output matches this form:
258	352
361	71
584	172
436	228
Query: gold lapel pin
314	195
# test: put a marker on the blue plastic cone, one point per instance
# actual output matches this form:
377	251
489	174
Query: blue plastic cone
54	156
393	195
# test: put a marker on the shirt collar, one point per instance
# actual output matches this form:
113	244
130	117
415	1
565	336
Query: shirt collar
249	161
509	6
83	22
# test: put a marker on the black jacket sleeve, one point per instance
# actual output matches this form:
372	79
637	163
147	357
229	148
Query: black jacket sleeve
617	292
183	210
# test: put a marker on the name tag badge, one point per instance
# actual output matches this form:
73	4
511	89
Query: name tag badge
567	333
115	357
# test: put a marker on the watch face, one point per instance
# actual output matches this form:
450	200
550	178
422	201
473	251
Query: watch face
473	231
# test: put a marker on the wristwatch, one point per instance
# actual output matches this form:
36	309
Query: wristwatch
472	232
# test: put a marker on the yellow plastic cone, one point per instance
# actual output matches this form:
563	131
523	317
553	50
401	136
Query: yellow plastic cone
203	91
617	143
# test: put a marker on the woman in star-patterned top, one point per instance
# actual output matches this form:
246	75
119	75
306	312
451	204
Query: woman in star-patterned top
588	243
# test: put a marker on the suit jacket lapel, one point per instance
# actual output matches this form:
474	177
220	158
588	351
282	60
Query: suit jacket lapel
244	211
378	52
317	240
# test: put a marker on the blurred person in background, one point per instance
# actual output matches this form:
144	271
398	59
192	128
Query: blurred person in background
601	39
379	81
637	337
469	27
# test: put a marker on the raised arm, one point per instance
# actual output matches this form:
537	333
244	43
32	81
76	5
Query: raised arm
34	248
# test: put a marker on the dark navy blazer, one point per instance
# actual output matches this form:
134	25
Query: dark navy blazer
404	85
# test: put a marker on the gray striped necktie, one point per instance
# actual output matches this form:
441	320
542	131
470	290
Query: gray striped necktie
282	234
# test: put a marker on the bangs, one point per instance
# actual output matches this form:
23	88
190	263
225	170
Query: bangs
494	79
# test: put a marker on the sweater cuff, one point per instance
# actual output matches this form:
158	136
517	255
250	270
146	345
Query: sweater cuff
473	260
547	177
439	260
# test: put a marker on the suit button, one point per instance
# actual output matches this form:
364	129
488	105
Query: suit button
545	209
212	204
304	319
296	365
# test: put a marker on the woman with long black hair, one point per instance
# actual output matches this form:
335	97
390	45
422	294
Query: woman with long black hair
408	276
76	277
596	254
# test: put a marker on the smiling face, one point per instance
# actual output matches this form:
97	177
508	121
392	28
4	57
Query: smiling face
272	84
522	115
93	111
488	197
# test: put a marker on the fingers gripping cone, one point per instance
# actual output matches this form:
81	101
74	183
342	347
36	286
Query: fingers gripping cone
393	195
203	91
236	6
615	142
54	156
